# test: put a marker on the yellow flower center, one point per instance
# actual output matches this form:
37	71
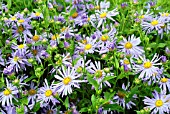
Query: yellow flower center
53	37
48	93
34	52
97	7
104	38
99	73
126	61
32	92
67	80
35	38
154	22
7	92
20	29
121	94
165	14
74	15
13	18
37	14
21	46
84	41
143	16
16	58
21	21
159	103
103	15
164	80
63	29
147	64
49	112
88	46
88	19
128	45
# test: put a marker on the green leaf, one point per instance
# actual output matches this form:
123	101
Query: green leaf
93	100
83	110
36	107
72	11
9	2
113	107
66	102
20	110
116	63
24	100
161	45
108	78
93	82
29	79
108	95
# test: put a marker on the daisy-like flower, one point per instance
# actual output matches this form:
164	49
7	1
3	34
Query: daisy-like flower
130	46
102	15
21	48
45	94
99	73
120	98
37	53
158	104
18	61
8	94
68	79
152	24
49	110
102	5
32	94
35	38
37	15
164	83
19	81
88	45
148	68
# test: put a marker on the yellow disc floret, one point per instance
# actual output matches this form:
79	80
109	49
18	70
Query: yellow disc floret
159	103
147	64
48	93
128	45
7	92
154	22
103	15
67	80
164	80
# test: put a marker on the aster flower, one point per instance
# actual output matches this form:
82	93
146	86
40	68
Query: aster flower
102	5
35	38
158	104
18	61
8	94
120	98
37	53
130	46
68	79
45	94
102	15
164	84
22	29
21	48
152	24
89	44
49	110
99	73
148	68
36	15
19	81
32	94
